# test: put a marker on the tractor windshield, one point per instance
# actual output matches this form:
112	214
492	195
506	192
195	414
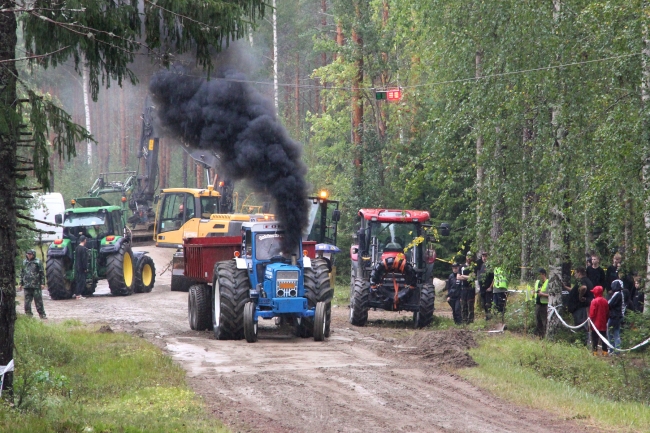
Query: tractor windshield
268	245
394	237
84	219
209	206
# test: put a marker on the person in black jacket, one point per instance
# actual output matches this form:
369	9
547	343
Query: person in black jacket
612	273
579	299
617	304
596	275
453	288
80	267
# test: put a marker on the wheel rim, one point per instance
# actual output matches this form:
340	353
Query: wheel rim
128	270
351	312
192	309
324	324
217	304
416	318
147	273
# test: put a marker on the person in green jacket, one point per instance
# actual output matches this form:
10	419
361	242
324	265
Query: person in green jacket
541	303
32	280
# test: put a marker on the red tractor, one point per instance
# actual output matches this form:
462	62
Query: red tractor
392	264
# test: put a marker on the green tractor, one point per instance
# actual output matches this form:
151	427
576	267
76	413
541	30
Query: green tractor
109	251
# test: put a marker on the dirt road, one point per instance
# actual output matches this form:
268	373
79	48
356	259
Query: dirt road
381	378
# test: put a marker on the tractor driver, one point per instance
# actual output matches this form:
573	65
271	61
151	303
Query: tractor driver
397	264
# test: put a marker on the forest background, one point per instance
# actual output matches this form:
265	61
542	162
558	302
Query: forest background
524	124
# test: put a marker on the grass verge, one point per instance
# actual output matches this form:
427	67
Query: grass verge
560	378
71	378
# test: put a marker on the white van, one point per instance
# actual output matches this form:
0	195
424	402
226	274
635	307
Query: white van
44	208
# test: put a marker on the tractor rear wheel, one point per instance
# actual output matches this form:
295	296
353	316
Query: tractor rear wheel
250	325
317	289
230	293
198	303
320	321
119	271
57	284
145	275
359	304
424	316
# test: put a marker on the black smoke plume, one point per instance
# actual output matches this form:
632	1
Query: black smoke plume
231	118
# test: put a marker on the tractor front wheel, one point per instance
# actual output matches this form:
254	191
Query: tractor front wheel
198	303
360	303
57	283
320	321
120	271
230	292
424	316
317	289
145	275
250	325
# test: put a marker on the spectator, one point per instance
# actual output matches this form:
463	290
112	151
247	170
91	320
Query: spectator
599	314
453	288
32	280
468	293
616	315
639	297
595	274
612	272
578	300
541	304
629	289
500	291
485	276
80	268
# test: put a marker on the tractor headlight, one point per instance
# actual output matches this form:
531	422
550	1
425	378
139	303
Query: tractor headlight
286	284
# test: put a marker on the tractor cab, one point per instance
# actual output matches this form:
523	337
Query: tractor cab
392	264
276	276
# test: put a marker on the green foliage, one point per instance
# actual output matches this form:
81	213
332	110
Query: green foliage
611	393
69	377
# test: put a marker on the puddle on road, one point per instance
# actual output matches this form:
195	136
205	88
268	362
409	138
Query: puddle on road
201	356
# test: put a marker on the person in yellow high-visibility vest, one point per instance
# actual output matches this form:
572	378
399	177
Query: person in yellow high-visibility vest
541	303
500	291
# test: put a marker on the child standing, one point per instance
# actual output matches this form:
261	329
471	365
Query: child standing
598	313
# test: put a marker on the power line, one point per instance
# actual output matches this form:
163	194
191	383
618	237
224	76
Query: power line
434	83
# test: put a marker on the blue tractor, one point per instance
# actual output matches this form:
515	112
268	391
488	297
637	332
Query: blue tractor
262	282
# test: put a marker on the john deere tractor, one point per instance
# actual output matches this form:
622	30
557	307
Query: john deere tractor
110	255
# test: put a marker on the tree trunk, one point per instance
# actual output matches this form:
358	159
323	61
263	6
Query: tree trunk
357	104
184	169
480	172
296	94
8	174
645	101
89	149
124	148
275	56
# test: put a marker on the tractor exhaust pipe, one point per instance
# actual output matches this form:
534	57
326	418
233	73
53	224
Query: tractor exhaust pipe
294	261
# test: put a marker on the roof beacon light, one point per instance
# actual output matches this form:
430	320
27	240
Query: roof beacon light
323	194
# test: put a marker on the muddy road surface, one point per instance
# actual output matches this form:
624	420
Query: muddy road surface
381	378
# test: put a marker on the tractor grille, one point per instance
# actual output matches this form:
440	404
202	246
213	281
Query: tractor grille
286	285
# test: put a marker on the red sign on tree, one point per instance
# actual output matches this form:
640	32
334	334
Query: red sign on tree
394	94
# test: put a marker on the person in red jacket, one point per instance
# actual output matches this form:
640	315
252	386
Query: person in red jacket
599	314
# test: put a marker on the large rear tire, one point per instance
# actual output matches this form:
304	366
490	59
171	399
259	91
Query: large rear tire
250	325
317	289
424	316
359	304
145	275
120	271
198	303
230	293
57	284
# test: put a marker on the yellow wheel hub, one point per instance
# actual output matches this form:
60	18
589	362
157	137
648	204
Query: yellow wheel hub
147	273
128	270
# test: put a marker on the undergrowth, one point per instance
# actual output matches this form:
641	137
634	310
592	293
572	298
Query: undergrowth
70	378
